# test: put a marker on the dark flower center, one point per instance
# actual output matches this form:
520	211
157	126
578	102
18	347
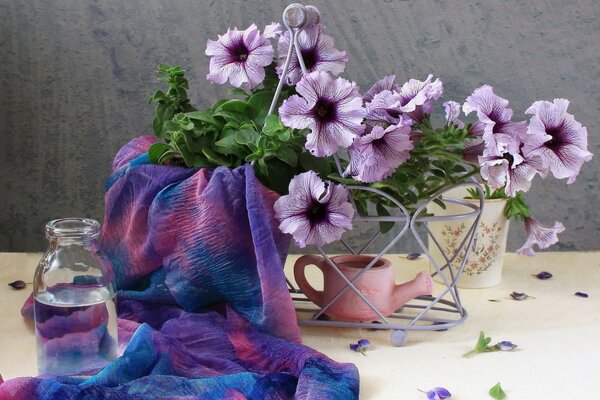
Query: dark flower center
310	58
239	51
317	212
555	133
325	110
510	158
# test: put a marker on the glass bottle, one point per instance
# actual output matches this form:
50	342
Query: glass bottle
74	301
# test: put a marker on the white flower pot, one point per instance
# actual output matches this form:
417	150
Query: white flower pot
483	267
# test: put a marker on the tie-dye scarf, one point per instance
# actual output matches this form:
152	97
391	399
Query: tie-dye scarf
203	303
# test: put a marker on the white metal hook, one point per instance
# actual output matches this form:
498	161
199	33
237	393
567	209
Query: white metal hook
296	18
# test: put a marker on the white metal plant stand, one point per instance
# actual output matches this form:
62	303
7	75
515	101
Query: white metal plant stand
437	312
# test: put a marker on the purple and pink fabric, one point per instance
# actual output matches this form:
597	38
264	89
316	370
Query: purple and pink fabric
204	309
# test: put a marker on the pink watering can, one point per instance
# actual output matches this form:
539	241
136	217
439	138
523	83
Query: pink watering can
377	285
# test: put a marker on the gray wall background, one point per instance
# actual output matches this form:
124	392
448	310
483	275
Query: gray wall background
75	77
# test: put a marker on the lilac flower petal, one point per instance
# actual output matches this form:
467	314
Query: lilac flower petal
386	83
413	256
557	138
505	345
273	30
438	393
418	93
518	296
312	213
317	50
240	57
452	109
581	294
376	155
384	108
331	109
540	235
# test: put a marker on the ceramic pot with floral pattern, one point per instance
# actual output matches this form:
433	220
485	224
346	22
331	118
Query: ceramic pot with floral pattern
483	267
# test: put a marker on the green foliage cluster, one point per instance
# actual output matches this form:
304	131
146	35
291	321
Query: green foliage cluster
229	133
435	162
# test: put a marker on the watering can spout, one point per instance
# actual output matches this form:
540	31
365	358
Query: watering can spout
421	285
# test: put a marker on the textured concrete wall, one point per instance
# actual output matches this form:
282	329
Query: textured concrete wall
75	77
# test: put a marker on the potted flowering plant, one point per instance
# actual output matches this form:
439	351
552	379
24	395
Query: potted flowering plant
388	133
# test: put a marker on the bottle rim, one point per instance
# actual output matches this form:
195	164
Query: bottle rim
72	228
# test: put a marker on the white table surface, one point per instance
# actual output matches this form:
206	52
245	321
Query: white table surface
558	335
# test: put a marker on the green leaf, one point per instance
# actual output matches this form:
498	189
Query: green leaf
238	91
482	346
216	104
345	181
229	146
309	162
259	106
496	392
156	151
231	115
384	226
272	124
246	136
233	105
440	203
204	116
287	155
216	158
285	135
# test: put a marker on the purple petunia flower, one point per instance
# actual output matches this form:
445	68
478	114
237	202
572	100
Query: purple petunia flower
376	155
385	83
415	97
540	235
318	53
511	171
557	139
331	109
239	56
500	134
313	213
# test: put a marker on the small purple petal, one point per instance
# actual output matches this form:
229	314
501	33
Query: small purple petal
354	347
543	275
452	109
438	393
518	296
581	294
364	343
413	256
386	83
273	30
415	93
505	346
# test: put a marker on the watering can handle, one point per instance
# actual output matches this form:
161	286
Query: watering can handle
316	296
